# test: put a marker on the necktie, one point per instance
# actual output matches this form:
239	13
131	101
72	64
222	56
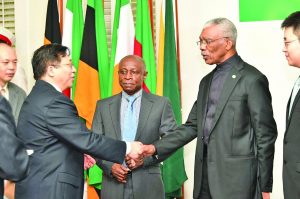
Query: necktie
130	123
294	93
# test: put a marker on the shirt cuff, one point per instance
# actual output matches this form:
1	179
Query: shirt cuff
128	147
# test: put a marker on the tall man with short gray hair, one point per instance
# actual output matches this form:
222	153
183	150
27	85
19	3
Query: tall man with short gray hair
233	121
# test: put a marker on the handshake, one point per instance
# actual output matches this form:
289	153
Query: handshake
133	160
138	152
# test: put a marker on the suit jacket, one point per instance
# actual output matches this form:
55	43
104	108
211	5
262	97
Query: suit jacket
291	151
16	98
49	125
241	142
13	157
156	117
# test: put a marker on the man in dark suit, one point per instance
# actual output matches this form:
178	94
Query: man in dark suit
233	121
291	147
49	125
153	116
13	157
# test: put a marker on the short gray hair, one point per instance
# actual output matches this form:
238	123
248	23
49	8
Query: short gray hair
229	29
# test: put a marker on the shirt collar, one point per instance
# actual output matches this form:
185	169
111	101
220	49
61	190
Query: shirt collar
135	95
229	62
56	87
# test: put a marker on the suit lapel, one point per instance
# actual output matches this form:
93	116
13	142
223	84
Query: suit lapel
230	82
13	98
146	106
288	118
114	109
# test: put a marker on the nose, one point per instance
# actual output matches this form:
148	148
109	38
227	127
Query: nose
284	48
202	46
12	65
73	69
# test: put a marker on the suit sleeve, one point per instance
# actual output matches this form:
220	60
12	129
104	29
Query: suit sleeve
13	156
63	122
167	125
97	127
177	138
260	107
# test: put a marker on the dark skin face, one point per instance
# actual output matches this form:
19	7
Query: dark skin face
131	75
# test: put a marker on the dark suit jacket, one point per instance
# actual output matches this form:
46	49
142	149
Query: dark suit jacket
242	137
49	125
156	117
13	156
291	151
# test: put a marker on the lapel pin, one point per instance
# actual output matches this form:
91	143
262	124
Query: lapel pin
233	76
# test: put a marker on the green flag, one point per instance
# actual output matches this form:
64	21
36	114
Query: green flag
173	168
73	31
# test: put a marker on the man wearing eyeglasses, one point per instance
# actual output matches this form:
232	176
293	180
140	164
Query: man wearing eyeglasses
50	127
233	121
291	147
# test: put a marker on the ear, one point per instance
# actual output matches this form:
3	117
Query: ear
145	75
50	71
229	44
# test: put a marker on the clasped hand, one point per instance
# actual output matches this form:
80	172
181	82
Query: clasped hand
133	160
137	154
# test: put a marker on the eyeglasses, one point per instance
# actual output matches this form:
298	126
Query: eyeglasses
67	65
287	43
208	42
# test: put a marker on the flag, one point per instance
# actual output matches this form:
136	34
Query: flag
143	43
53	27
93	62
173	171
73	30
93	59
52	30
122	41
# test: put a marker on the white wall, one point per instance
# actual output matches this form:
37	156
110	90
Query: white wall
259	43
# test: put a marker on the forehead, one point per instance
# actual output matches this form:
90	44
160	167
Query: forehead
130	63
65	59
211	31
7	51
289	32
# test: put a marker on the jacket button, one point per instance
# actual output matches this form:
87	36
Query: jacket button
284	161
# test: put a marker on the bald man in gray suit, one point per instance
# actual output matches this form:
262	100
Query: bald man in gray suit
154	116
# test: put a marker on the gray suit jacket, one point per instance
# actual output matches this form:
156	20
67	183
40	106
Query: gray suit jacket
242	137
13	157
49	124
16	98
291	151
156	117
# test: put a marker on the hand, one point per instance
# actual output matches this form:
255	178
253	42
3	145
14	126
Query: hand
119	172
148	150
136	151
88	162
266	195
133	164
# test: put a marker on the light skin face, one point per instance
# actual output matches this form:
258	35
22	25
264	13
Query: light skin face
8	63
215	47
62	74
131	75
291	47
